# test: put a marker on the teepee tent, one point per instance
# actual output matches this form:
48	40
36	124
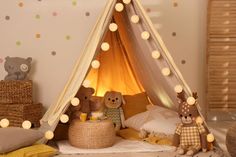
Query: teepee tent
125	53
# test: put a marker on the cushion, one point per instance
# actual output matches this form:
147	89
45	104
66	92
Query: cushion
15	138
129	134
135	104
137	120
161	120
40	150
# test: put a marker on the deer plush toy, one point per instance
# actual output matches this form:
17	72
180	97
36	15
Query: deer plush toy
190	135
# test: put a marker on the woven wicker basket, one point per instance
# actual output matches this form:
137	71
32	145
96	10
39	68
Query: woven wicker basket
91	135
231	140
12	92
18	113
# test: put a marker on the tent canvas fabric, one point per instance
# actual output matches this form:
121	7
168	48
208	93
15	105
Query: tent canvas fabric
141	72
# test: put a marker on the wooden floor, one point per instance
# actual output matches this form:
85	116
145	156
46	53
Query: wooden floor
219	129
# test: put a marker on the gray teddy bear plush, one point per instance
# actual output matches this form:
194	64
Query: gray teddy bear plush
17	68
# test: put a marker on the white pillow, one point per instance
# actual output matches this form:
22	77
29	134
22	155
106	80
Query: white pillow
137	120
161	120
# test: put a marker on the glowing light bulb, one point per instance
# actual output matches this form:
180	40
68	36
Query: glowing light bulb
210	138
199	120
64	118
178	88
113	27
135	18
4	123
145	35
26	124
86	83
166	71
105	46
156	54
75	101
119	7
191	100
49	135
126	1
95	64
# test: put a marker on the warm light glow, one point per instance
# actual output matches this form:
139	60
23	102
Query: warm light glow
226	81
4	123
156	54
95	64
166	71
210	138
191	100
227	39
75	101
226	47
226	73
226	64
227	30
105	46
145	35
225	90
199	120
26	124
226	14
113	27
86	83
49	135
119	7
227	22
126	1
226	98
227	5
178	88
64	118
135	18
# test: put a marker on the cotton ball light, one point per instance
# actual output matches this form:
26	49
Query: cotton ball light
199	120
166	71
210	138
75	101
105	46
26	124
135	18
49	135
191	100
95	64
156	54
86	83
145	35
119	7
64	118
113	27
126	1
4	123
178	88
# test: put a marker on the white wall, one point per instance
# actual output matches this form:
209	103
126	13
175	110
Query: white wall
50	73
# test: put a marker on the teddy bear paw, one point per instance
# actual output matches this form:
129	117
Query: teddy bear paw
189	153
180	151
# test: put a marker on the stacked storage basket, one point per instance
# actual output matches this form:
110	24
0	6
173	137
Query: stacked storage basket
16	103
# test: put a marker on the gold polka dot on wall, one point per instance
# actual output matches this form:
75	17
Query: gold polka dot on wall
175	4
148	10
74	2
87	14
7	17
37	16
18	43
53	53
183	61
68	37
173	34
54	13
20	4
37	35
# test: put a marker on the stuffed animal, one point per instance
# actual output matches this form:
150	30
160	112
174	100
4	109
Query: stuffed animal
112	101
17	68
86	104
190	135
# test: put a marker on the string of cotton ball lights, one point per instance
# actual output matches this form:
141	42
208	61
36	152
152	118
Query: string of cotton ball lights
178	88
145	35
126	1
135	19
119	7
64	118
4	123
156	54
95	64
86	83
191	100
26	124
166	71
49	135
75	101
105	46
113	27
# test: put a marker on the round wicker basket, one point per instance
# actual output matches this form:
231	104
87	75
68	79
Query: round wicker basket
231	140
91	134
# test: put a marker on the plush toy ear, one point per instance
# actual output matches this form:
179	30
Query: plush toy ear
181	96
195	95
122	98
92	91
29	59
7	58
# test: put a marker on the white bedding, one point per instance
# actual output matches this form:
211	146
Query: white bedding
121	146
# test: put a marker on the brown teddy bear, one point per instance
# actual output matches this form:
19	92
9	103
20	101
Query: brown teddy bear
86	105
112	101
190	135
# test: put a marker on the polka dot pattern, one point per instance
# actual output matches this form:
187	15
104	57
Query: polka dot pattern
87	14
37	16
37	35
18	43
7	17
21	4
53	53
54	13
68	37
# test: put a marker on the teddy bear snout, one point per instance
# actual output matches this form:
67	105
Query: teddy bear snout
113	100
